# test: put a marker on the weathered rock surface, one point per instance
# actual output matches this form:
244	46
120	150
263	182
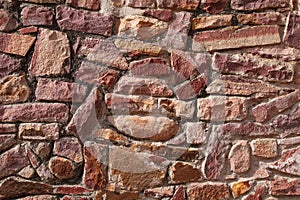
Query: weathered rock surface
240	188
258	5
13	43
88	4
229	38
34	112
264	18
266	148
180	4
191	89
181	172
239	156
163	15
7	141
285	187
14	89
208	191
62	168
292	30
68	147
8	65
136	171
196	132
141	3
51	54
214	6
39	131
210	22
141	27
148	127
37	15
8	21
150	67
8	128
84	21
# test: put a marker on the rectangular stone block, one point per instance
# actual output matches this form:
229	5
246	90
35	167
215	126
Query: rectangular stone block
210	22
258	5
87	4
93	22
263	18
37	15
34	112
231	38
180	4
39	131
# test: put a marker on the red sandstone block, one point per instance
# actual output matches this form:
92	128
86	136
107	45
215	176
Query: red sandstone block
37	15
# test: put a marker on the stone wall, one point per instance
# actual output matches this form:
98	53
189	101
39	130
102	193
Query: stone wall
149	99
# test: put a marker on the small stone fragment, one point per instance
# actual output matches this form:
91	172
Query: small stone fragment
93	22
148	127
239	156
51	54
39	131
8	22
179	194
27	172
216	191
14	89
15	43
266	148
68	147
210	22
141	27
37	15
62	168
240	188
28	30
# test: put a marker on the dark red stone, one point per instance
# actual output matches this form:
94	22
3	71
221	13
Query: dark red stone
92	22
285	187
153	67
214	6
141	3
88	4
258	5
179	4
8	22
7	141
292	34
179	194
191	89
8	64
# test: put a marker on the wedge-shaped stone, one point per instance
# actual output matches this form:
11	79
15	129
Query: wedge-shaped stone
146	127
15	44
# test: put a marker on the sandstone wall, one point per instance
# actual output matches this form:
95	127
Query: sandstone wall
149	99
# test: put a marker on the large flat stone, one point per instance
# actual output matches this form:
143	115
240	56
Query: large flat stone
17	44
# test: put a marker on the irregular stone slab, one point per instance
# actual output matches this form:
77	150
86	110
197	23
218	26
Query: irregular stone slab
141	3
85	119
87	45
101	195
14	89
210	22
15	43
7	141
253	66
150	67
22	187
291	36
88	4
62	168
13	161
45	1
235	85
177	34
28	30
135	171
96	74
159	192
33	158
141	27
42	149
259	192
258	5
208	190
51	54
39	131
55	90
142	86
35	112
37	15
263	18
239	156
44	173
218	108
111	135
191	89
196	132
288	124
68	147
132	47
189	65
288	163
96	158
230	38
8	65
8	21
8	128
71	190
266	111
214	6
105	52
148	127
240	188
285	187
247	129
84	21
181	172
181	4
40	197
163	15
